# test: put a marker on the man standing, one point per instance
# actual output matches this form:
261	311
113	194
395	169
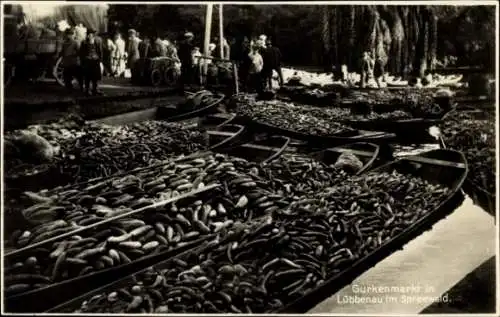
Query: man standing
272	62
71	60
367	66
91	56
186	58
256	65
133	53
119	56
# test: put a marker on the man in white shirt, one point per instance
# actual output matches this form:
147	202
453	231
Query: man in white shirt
256	66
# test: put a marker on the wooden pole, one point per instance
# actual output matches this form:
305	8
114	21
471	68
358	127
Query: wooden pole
221	33
208	27
236	79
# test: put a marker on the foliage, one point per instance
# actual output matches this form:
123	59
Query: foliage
465	31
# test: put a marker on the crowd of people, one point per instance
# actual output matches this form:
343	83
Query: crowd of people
256	59
81	60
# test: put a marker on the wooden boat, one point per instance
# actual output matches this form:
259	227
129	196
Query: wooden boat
482	197
367	152
349	136
218	137
440	166
69	305
176	112
43	299
262	151
216	119
443	167
404	127
225	136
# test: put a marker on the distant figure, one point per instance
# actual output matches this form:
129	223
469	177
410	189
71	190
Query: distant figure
428	78
226	48
91	56
379	67
244	61
119	56
367	65
197	64
108	52
211	52
256	66
145	53
261	41
133	53
185	56
272	62
70	54
172	52
145	49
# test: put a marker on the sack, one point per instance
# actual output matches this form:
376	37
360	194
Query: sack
256	63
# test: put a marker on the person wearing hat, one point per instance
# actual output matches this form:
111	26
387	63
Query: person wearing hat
272	62
71	60
186	58
133	54
256	65
91	57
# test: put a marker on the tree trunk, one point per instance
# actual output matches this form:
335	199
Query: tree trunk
397	44
335	38
326	37
433	34
405	14
351	38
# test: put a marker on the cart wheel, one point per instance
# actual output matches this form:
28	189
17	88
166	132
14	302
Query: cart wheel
156	77
57	72
9	72
170	76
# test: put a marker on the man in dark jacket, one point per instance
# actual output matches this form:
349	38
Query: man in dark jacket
272	62
91	57
70	54
185	56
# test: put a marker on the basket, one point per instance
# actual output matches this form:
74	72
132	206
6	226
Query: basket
41	46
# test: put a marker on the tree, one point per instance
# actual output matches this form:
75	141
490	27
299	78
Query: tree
413	36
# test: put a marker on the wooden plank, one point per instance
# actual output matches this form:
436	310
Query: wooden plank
108	220
221	133
355	152
432	161
259	147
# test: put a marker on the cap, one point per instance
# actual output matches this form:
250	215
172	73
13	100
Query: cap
91	31
132	32
188	35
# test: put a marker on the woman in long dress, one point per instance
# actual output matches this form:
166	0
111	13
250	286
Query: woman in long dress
119	56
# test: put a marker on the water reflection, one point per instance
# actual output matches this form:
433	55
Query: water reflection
435	260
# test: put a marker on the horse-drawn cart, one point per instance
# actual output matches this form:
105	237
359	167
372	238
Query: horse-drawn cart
32	57
31	49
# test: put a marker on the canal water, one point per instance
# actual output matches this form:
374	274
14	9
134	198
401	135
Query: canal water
427	267
412	279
